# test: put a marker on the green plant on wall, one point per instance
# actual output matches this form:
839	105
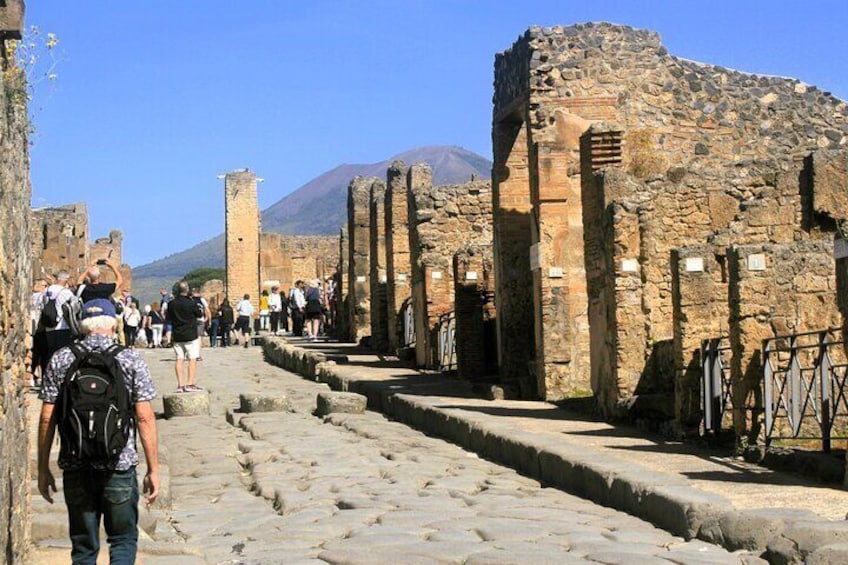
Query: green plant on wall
28	64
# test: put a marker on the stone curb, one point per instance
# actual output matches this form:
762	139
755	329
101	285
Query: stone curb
668	501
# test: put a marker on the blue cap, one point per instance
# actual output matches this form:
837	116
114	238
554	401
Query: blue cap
98	307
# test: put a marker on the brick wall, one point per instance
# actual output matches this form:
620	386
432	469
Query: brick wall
378	273
59	240
474	288
398	270
284	259
242	236
15	280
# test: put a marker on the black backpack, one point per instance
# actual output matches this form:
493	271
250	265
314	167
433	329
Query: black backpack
95	411
49	314
199	308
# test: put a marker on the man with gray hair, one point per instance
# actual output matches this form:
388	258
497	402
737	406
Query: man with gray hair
97	488
89	283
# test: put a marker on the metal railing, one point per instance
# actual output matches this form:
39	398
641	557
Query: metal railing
447	342
408	318
804	386
716	399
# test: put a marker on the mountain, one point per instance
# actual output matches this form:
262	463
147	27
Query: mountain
327	193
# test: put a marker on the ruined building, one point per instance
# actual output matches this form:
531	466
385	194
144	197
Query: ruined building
651	202
15	269
61	242
284	259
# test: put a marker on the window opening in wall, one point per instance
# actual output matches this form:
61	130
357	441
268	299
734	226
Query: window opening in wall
605	149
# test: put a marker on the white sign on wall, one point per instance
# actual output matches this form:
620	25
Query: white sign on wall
436	275
629	266
401	277
471	275
757	262
360	278
694	264
555	273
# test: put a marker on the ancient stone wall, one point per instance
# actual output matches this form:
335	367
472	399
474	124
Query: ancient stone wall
60	240
242	235
398	269
359	250
377	276
15	280
774	290
711	156
343	302
474	290
284	259
442	219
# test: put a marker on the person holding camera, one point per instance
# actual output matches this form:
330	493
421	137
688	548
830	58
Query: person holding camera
90	286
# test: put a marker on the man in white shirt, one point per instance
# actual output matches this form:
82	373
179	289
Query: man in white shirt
298	305
275	305
58	336
245	311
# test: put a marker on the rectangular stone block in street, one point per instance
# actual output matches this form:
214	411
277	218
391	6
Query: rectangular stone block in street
340	402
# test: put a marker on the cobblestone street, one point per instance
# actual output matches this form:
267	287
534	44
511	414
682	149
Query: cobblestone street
288	487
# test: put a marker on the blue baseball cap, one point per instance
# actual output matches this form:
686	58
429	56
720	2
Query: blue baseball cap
98	307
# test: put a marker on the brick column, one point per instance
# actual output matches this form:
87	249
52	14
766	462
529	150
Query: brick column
379	310
560	298
398	271
359	241
242	236
420	183
512	239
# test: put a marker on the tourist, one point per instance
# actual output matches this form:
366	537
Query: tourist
132	321
274	306
202	307
226	317
314	310
297	300
182	313
245	311
263	311
284	312
87	483
214	327
157	324
89	286
59	335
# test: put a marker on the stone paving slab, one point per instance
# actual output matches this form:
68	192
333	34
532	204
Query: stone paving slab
686	490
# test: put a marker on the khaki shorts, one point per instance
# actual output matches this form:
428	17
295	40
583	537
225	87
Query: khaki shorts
187	349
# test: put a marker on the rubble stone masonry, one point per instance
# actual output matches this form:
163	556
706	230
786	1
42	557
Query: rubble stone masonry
284	259
59	240
706	156
378	277
442	220
398	270
15	279
359	250
242	236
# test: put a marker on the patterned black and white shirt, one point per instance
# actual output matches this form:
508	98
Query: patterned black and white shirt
137	379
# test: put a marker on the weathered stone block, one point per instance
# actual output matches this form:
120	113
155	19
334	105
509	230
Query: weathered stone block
345	402
186	404
263	403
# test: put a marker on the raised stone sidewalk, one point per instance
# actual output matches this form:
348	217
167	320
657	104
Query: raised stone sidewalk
687	491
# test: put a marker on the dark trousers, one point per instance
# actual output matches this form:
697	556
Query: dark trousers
275	322
297	322
112	495
56	340
226	328
129	335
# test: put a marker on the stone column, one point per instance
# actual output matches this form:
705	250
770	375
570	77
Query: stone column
242	235
512	239
359	242
343	302
699	297
560	298
420	183
379	310
398	271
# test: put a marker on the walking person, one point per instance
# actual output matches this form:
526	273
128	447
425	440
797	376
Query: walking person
56	329
182	313
132	320
314	310
157	324
284	312
264	312
245	311
275	305
297	300
89	285
91	483
227	318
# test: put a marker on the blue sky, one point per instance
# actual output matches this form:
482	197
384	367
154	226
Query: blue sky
153	99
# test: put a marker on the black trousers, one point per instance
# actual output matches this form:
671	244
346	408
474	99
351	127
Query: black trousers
275	322
297	322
